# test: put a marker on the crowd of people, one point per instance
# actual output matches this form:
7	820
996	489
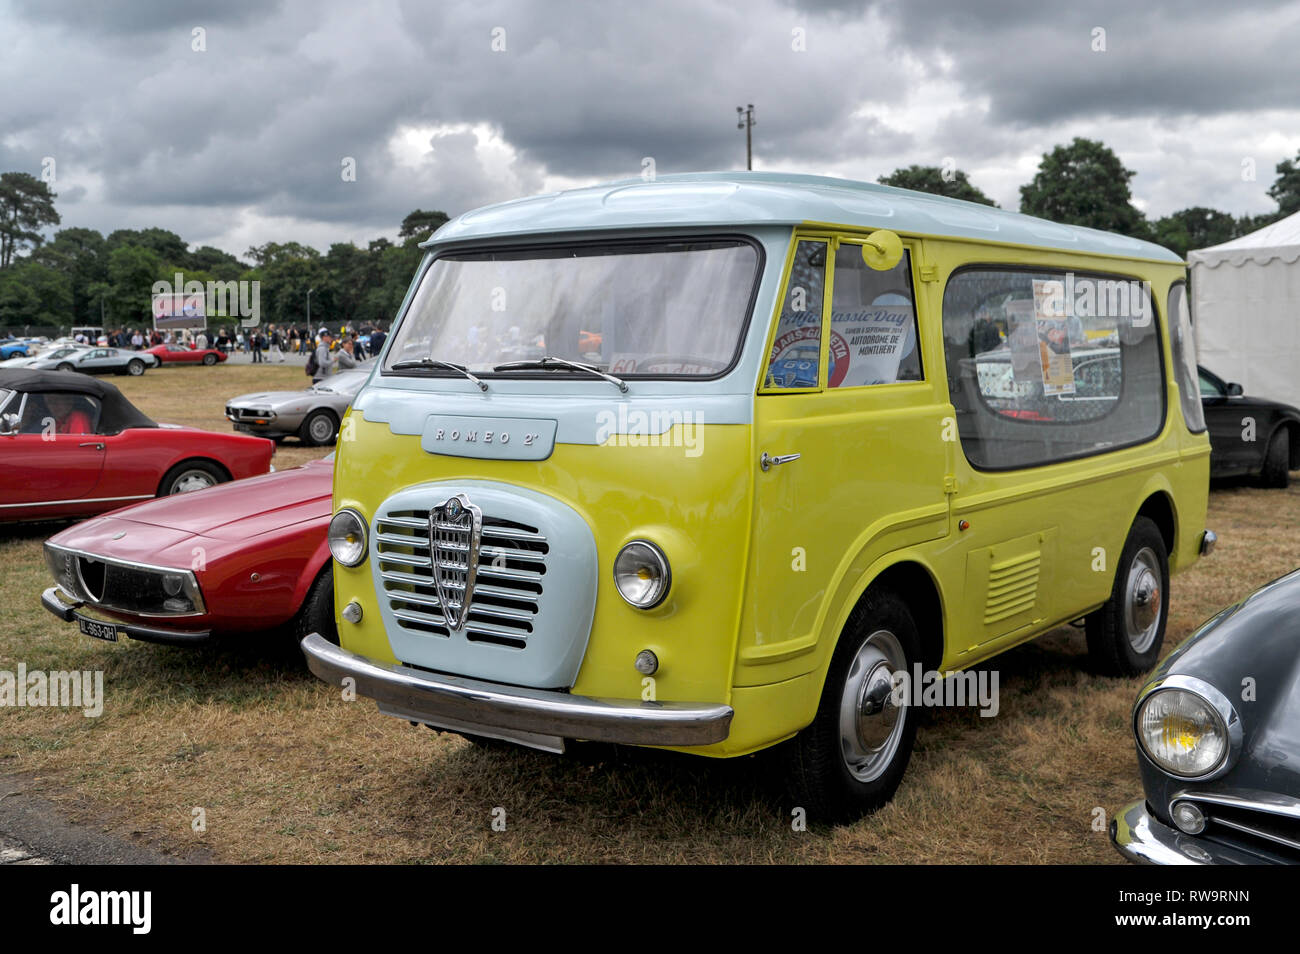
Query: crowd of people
263	344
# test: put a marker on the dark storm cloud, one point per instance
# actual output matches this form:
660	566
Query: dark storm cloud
125	17
146	130
1037	63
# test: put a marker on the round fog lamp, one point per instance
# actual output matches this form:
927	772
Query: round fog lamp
647	663
1188	818
641	574
347	537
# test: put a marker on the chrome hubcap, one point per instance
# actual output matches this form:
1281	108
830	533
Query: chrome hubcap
870	722
1142	600
321	429
192	480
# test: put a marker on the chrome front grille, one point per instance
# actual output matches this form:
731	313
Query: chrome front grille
506	582
1269	822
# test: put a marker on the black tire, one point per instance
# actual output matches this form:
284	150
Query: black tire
1123	640
1277	462
191	472
314	425
209	359
64	366
819	774
135	367
316	615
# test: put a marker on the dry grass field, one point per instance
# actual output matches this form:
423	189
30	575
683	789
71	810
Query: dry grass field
286	771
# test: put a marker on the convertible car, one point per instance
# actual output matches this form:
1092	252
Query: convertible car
181	354
312	414
1249	436
71	446
1217	742
240	558
98	361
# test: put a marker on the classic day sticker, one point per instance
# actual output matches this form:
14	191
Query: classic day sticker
868	346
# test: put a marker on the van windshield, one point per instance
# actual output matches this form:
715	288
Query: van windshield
662	309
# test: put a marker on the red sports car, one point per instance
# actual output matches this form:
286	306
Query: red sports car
240	558
73	445
183	354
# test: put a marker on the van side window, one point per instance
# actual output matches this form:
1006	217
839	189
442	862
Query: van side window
1184	348
795	361
873	322
1046	365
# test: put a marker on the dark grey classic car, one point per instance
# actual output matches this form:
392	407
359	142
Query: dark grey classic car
1218	741
1249	436
312	414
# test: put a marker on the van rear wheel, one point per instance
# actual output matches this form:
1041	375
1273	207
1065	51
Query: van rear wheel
1125	635
850	760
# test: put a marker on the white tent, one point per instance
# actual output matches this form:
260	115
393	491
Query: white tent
1246	310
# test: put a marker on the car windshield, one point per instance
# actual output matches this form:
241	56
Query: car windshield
669	308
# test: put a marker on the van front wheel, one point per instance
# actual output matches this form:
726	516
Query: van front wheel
1125	635
850	760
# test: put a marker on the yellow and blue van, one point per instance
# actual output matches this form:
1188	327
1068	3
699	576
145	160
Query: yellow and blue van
717	461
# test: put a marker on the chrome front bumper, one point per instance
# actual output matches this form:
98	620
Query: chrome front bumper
53	600
1142	838
539	718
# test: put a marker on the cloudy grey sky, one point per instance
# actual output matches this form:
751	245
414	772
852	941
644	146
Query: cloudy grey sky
243	141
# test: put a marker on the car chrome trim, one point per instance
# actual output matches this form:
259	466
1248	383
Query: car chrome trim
1217	701
78	500
53	599
455	537
1209	539
200	607
1142	838
449	701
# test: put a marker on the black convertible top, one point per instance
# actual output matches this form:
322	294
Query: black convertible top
116	412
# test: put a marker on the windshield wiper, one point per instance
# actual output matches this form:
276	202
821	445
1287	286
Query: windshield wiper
550	361
435	363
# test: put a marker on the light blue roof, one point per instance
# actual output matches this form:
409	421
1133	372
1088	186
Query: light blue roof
739	199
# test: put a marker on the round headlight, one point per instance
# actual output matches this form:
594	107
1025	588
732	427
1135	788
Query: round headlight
1182	732
347	537
641	574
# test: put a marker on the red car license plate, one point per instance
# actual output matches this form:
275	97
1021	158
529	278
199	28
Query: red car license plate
93	627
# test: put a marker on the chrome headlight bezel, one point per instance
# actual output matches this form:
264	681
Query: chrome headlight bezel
1215	703
345	521
648	555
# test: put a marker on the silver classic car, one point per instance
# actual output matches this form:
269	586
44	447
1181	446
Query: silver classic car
95	361
312	414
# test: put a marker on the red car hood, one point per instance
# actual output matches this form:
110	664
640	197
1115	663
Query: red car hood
241	509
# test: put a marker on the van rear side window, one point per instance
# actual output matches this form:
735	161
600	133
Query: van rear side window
1045	365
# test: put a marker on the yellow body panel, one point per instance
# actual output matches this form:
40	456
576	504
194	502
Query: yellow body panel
768	565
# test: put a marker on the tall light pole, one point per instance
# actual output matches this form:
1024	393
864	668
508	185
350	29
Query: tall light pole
746	121
309	291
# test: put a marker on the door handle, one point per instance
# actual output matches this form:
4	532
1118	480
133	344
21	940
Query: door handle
95	444
767	462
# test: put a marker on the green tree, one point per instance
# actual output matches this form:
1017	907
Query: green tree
223	266
1085	184
34	294
418	225
931	179
132	270
79	254
168	246
1197	227
26	207
1286	190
